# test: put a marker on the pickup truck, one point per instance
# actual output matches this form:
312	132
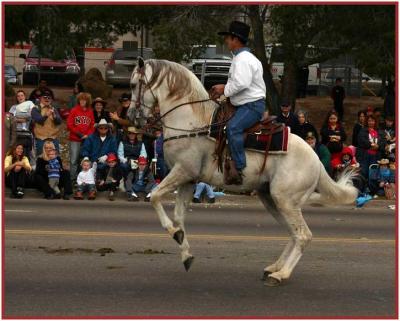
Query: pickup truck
209	66
61	71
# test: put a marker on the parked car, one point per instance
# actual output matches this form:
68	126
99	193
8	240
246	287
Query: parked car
11	75
121	64
216	65
63	71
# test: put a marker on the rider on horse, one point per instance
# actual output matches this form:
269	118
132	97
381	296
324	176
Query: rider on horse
245	89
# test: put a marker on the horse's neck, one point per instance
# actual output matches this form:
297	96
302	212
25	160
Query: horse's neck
185	117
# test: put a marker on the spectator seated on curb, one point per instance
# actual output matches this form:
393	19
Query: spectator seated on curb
140	181
342	161
99	144
41	175
21	123
54	169
109	176
86	180
17	170
129	151
47	122
321	150
200	188
386	180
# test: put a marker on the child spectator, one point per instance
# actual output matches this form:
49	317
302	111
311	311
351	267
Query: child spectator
343	160
386	179
200	187
17	169
54	173
80	124
109	176
357	127
140	181
41	176
86	180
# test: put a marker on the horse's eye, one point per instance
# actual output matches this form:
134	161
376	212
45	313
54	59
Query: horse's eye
133	86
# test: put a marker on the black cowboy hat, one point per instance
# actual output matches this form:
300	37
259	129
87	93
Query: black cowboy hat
237	29
124	97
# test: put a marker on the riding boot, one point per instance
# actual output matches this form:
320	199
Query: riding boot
232	175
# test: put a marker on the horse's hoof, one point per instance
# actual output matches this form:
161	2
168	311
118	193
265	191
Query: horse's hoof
188	262
178	236
265	275
271	281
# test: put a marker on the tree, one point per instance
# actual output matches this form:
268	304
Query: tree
257	15
181	27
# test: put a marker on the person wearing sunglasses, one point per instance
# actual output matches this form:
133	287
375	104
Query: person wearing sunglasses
47	121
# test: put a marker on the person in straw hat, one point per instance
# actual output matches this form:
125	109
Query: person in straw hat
99	144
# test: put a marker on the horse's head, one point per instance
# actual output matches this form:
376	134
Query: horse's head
143	97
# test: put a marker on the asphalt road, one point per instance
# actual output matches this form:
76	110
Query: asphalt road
56	262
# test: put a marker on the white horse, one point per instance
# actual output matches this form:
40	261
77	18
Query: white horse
288	182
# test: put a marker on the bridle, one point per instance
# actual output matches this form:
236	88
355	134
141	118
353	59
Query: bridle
139	103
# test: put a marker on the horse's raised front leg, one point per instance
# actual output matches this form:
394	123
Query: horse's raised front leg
183	198
170	183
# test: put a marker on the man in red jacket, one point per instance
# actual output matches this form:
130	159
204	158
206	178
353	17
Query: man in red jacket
80	124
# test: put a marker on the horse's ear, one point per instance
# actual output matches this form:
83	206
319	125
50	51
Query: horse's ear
140	62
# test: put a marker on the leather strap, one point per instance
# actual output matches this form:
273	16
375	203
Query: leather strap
204	133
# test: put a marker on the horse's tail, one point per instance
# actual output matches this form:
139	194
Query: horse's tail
335	193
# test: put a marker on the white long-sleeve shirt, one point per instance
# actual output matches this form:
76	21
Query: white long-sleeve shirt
87	177
245	81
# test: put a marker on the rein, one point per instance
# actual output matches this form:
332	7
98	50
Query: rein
195	132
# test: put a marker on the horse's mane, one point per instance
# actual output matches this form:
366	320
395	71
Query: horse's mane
182	83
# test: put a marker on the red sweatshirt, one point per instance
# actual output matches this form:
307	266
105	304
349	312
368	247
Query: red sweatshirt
80	123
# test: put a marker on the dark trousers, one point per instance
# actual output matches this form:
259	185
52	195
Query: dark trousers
42	183
17	179
338	106
108	187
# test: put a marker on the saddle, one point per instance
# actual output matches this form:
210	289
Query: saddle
261	131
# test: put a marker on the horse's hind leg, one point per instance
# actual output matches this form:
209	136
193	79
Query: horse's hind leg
183	198
170	183
268	202
300	237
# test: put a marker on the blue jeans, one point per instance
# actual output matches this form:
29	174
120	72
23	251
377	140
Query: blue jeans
74	155
368	160
39	146
86	188
245	116
199	189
